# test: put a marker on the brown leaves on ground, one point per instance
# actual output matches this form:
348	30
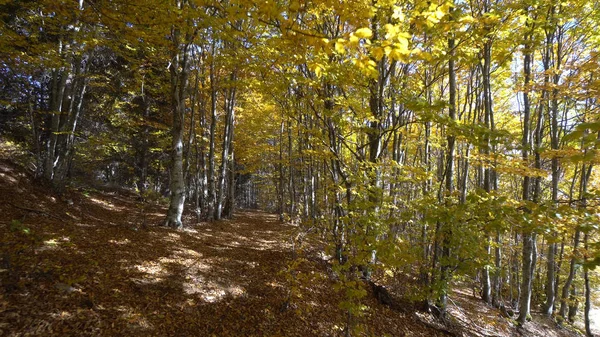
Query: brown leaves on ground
90	263
85	263
480	320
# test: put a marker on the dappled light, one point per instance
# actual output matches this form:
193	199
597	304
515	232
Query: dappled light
105	204
120	242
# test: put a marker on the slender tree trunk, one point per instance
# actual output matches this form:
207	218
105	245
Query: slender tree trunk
179	79
59	80
201	171
528	245
189	144
230	201
574	303
588	300
212	193
292	173
569	281
280	182
66	139
227	135
568	287
554	143
487	105
446	229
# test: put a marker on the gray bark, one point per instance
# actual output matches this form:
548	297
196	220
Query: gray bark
446	229
551	276
179	76
59	82
527	258
212	193
569	281
568	286
227	139
487	105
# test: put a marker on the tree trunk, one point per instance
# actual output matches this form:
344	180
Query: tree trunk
569	281
59	80
527	267
487	106
588	300
178	87
568	287
548	306
446	228
212	193
227	138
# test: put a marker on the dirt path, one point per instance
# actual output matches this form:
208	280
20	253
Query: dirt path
98	274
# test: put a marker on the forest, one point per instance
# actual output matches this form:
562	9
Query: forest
405	151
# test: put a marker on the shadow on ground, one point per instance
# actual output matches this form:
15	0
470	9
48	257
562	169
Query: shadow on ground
94	263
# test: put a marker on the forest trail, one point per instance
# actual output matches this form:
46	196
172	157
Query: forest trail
91	263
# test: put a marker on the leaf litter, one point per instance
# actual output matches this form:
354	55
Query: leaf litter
87	263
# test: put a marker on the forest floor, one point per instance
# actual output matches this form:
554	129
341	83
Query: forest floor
93	262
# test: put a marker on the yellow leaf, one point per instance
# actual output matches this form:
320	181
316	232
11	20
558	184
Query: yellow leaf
339	47
377	53
398	13
363	33
402	45
439	14
445	8
318	70
391	31
395	55
467	19
432	20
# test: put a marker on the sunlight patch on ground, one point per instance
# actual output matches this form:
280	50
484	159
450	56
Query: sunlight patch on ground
158	215
275	284
154	272
119	242
172	237
74	217
53	244
105	204
213	295
252	264
188	252
267	243
188	263
62	315
134	319
9	179
209	291
196	271
220	247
